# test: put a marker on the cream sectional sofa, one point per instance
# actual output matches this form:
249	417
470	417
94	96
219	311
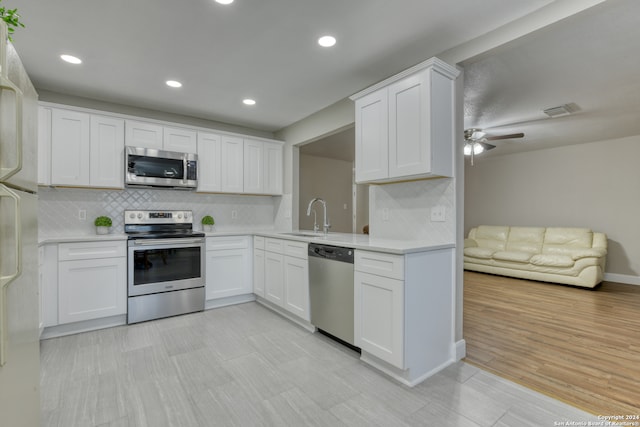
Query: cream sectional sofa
572	256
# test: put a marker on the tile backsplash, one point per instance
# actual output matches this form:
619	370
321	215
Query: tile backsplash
403	210
59	208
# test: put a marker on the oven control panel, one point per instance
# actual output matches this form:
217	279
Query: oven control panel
158	217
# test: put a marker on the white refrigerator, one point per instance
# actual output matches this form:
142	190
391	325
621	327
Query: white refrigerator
19	293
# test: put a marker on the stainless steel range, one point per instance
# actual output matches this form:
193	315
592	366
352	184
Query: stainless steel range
166	264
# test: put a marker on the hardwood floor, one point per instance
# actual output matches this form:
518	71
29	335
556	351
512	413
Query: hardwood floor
578	345
244	365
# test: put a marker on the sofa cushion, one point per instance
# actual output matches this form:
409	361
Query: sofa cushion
588	253
491	236
561	240
526	239
513	256
477	252
551	260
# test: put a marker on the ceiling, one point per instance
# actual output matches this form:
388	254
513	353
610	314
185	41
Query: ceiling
591	59
265	50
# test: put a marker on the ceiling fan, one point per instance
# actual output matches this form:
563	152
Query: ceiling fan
475	141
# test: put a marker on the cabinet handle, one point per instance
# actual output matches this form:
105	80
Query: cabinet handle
6	279
6	84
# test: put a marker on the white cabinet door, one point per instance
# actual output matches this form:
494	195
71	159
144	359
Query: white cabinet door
49	277
228	273
90	289
70	133
274	278
232	168
296	282
107	152
409	112
273	173
44	146
253	166
379	317
209	161
180	140
258	272
372	137
142	134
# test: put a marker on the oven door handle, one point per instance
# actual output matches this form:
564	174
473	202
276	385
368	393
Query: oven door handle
174	242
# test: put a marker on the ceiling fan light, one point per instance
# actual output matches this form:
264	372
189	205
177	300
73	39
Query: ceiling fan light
467	149
477	148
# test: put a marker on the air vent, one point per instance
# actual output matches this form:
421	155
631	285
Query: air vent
561	110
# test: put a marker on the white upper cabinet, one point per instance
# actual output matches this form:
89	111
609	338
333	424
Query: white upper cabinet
106	152
44	146
70	148
273	172
262	167
232	168
405	125
209	161
151	135
180	140
85	150
144	135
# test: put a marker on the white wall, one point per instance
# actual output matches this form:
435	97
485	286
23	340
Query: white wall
594	185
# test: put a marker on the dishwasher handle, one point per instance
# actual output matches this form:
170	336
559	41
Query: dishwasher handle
331	253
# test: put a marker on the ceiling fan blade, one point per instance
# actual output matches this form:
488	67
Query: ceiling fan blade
486	146
510	136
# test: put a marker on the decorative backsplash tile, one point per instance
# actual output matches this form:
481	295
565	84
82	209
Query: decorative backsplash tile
408	207
58	208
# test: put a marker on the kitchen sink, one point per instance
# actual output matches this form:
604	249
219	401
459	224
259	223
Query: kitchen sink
305	234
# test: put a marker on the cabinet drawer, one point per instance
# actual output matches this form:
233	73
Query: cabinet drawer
227	242
296	249
91	250
274	245
258	242
381	264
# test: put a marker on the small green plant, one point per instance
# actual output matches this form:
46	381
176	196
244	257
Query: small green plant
103	221
207	220
12	18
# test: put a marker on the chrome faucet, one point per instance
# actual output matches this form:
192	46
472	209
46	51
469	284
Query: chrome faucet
326	225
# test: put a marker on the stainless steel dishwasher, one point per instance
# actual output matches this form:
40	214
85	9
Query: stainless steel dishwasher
331	290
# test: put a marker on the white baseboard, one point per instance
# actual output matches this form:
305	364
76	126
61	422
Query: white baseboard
622	278
460	349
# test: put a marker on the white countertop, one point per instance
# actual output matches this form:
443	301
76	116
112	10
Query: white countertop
355	241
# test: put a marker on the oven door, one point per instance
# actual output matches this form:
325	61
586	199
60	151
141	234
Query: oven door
164	265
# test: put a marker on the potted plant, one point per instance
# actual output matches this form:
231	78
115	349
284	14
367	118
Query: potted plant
12	18
207	223
103	224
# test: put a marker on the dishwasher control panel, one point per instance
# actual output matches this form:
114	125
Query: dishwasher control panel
333	253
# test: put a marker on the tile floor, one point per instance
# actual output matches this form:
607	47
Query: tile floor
244	365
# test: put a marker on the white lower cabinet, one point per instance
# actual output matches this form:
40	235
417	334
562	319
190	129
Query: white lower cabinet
296	282
258	266
228	266
92	280
286	275
403	312
379	310
274	278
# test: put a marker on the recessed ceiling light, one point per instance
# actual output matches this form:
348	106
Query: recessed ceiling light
71	59
173	83
224	1
327	41
249	101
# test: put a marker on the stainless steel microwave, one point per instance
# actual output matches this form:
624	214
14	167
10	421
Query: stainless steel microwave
148	167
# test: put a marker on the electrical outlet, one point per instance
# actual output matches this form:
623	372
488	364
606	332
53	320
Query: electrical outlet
234	214
345	207
82	214
438	214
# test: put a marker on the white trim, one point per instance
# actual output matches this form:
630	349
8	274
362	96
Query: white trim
400	375
435	63
83	326
460	350
224	302
622	278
